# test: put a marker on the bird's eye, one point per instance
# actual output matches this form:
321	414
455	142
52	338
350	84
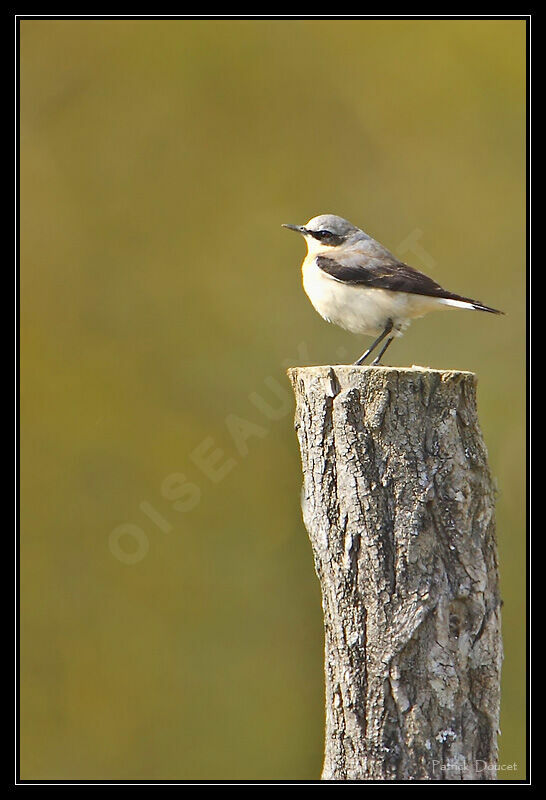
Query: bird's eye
327	237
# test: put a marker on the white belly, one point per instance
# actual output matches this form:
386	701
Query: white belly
361	309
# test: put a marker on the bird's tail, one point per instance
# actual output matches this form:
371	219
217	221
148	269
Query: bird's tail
456	301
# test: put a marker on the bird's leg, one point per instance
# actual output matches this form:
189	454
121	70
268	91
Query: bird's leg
371	348
376	361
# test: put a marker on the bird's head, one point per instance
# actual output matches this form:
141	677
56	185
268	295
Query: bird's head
328	231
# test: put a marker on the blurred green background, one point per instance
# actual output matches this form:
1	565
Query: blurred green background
170	615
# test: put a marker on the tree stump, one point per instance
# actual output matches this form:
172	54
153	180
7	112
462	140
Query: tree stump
399	503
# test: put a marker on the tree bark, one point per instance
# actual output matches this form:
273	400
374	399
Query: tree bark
398	502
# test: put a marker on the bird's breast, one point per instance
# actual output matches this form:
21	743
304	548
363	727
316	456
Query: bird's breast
359	308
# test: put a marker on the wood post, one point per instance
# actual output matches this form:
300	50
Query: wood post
399	506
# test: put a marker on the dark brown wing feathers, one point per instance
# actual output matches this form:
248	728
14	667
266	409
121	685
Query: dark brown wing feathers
393	275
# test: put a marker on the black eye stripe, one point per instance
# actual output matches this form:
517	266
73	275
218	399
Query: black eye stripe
327	237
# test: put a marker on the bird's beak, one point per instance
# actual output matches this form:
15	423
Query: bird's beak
298	228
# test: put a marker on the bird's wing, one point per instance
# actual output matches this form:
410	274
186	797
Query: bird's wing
382	273
386	272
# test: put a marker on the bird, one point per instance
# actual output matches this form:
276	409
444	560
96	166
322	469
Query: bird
353	281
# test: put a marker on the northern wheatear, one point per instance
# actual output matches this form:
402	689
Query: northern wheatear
356	283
